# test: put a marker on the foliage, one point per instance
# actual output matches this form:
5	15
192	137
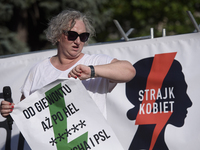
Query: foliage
23	21
158	14
10	43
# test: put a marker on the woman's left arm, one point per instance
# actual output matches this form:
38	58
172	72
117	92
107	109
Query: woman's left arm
116	71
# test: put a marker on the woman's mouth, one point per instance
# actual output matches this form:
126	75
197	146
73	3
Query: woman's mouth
75	47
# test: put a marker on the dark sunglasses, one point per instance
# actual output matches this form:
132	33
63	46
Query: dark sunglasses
72	36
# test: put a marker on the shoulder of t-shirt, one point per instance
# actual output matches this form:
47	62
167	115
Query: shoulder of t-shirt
40	64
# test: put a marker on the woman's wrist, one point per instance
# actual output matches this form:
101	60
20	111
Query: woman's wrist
92	71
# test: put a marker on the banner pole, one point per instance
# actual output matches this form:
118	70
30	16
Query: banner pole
163	32
193	21
152	33
121	30
128	33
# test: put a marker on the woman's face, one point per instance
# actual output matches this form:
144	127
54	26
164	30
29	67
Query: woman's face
72	49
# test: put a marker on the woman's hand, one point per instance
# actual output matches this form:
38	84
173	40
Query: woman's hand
80	71
6	108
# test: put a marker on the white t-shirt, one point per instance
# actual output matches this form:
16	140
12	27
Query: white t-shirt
44	73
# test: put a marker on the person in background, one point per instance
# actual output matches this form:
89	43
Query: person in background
99	73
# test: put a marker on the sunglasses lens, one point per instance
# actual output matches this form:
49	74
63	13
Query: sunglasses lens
72	35
84	37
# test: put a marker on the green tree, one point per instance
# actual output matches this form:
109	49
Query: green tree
158	14
23	21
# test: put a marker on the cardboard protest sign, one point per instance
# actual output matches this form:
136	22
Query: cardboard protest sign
61	116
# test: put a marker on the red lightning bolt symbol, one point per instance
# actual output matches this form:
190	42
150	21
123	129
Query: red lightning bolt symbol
160	67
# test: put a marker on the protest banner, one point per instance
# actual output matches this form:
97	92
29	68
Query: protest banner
125	107
62	115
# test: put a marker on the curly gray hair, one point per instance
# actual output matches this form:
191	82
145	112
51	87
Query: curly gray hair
65	21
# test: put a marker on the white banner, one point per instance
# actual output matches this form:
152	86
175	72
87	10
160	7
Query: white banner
61	116
165	90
